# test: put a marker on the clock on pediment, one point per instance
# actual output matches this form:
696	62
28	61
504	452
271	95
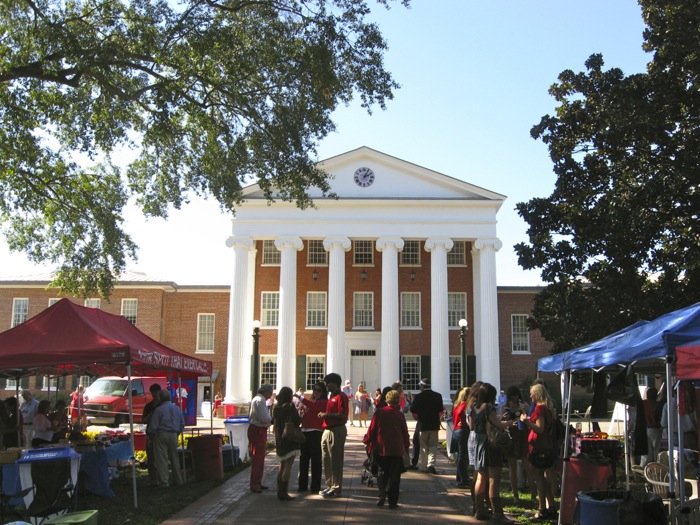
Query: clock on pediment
364	177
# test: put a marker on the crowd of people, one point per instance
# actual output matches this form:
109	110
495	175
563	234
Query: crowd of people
32	423
314	429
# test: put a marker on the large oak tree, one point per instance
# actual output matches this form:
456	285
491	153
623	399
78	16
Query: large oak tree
618	240
201	97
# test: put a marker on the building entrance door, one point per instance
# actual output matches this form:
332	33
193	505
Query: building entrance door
364	368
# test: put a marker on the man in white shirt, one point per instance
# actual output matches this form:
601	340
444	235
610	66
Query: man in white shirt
348	391
260	420
28	409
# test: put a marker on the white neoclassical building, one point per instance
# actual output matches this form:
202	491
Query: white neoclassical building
371	285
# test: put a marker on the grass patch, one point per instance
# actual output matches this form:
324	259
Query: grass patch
155	504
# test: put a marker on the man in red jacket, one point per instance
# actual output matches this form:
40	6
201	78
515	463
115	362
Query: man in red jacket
387	439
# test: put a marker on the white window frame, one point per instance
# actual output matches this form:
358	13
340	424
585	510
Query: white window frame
54	300
269	312
519	334
269	376
271	256
457	256
93	302
455	311
411	310
49	383
316	254
410	255
20	311
126	307
314	361
11	384
360	310
363	252
316	310
206	333
456	373
412	361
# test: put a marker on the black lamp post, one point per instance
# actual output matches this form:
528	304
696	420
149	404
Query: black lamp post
463	349
255	364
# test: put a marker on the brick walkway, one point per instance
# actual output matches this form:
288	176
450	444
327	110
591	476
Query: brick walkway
425	497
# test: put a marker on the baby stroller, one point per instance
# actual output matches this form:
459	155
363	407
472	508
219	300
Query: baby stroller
370	464
371	470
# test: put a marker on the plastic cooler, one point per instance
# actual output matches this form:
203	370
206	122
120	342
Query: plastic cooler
206	457
237	431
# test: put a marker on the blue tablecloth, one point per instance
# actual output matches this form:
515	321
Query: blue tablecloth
10	482
94	467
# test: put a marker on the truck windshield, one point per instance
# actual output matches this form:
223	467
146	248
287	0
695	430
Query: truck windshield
107	387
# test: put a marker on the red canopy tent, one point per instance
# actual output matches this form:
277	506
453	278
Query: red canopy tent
70	339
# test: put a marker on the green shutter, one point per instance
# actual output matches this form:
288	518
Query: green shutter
3	383
471	370
301	373
24	382
39	382
424	366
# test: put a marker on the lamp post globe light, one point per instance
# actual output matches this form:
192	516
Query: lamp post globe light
255	359
463	348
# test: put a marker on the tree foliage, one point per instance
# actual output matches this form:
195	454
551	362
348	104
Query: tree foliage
204	96
618	240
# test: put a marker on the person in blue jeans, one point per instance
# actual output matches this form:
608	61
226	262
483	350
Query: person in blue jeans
460	438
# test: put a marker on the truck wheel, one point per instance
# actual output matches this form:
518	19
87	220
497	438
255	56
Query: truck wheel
120	419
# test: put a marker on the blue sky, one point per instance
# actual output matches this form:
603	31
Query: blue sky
475	79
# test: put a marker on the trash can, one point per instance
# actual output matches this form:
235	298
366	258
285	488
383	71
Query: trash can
582	475
617	507
237	431
206	457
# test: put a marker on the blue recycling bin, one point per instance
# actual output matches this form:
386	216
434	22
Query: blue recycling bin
237	431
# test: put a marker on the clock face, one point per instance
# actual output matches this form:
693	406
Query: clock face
364	177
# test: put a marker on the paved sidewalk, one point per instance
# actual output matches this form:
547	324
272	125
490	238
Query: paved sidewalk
425	497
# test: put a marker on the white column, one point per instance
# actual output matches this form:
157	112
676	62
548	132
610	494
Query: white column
335	349
439	340
389	369
239	351
486	311
287	327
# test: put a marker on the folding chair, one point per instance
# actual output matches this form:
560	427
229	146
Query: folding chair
50	474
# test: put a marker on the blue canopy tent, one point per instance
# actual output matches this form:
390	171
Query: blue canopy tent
648	346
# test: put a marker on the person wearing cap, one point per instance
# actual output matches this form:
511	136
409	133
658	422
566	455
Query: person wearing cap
387	437
28	409
334	436
349	392
260	420
150	436
427	409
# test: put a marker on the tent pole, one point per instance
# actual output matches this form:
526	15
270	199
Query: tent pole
211	404
131	436
179	401
669	440
567	410
628	459
681	446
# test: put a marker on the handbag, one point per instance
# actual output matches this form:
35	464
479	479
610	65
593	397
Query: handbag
291	432
498	438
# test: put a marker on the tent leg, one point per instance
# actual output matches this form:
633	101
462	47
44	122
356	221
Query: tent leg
131	440
567	391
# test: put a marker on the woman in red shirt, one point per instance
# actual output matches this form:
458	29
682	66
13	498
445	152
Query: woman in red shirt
311	426
541	448
387	437
460	437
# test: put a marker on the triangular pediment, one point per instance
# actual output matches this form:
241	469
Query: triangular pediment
365	173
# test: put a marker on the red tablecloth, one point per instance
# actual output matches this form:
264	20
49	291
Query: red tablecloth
581	475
